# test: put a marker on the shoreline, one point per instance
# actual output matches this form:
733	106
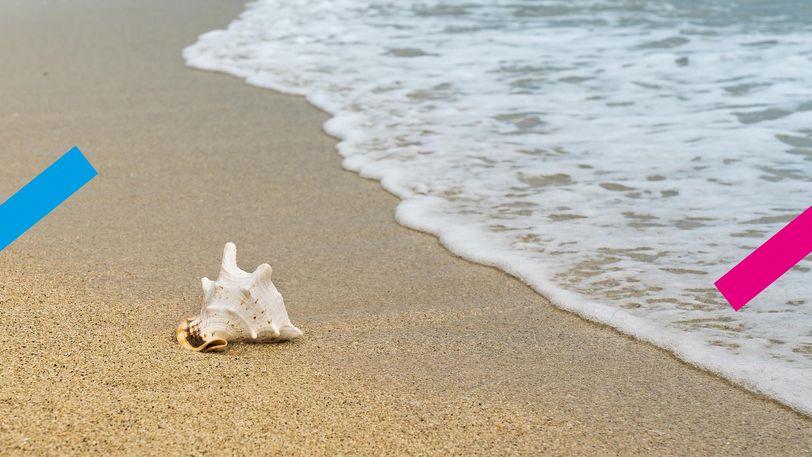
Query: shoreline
747	371
776	373
407	348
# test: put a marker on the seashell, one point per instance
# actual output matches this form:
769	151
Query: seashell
239	306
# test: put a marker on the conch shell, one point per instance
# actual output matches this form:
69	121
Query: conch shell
239	306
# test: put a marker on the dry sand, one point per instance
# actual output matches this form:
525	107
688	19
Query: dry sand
407	349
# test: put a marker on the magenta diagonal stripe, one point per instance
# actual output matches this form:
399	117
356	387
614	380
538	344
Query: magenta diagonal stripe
767	263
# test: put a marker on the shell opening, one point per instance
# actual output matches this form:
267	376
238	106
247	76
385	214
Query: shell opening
188	337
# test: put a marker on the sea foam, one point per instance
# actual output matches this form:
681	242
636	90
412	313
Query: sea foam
618	157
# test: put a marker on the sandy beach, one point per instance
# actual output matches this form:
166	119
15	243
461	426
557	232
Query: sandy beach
408	350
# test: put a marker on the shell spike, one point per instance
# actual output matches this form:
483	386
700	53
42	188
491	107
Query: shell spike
229	263
208	288
261	275
289	332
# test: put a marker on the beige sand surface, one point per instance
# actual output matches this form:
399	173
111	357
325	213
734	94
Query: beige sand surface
408	349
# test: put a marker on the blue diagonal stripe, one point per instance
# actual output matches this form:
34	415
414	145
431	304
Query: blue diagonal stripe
44	193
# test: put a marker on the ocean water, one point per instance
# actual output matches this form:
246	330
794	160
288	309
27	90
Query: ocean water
617	156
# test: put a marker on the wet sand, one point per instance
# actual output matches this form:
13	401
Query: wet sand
407	349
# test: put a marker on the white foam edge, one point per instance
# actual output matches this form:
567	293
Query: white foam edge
748	372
